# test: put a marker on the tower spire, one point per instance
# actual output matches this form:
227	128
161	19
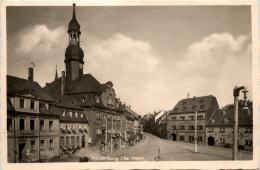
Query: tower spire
74	54
74	13
56	75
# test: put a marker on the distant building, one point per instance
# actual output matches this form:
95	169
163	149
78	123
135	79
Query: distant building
161	124
219	128
181	120
32	124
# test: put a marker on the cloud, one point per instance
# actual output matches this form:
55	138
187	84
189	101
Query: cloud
40	45
141	76
129	63
215	65
39	37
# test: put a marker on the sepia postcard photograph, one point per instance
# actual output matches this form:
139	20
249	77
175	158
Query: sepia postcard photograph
129	85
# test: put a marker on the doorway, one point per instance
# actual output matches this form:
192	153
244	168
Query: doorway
174	137
21	149
83	142
211	141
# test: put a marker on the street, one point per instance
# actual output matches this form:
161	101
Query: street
178	151
148	149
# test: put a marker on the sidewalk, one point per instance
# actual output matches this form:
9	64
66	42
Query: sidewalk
124	150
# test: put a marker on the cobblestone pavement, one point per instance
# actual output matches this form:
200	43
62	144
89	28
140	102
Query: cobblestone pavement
149	148
179	151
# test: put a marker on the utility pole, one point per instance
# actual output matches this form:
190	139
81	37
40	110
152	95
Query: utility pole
235	131
106	136
195	135
112	119
120	140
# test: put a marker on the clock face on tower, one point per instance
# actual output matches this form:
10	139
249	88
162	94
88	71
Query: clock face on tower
80	66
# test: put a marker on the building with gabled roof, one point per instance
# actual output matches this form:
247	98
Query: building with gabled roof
219	128
32	123
181	119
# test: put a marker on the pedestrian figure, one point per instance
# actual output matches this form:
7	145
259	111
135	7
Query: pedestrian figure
90	142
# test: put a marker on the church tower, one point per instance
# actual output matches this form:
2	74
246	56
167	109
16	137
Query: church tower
74	54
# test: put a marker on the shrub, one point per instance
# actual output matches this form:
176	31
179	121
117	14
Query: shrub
227	145
83	159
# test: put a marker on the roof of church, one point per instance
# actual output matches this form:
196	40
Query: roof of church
15	84
226	117
84	84
193	104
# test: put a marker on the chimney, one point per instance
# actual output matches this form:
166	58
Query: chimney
62	82
30	73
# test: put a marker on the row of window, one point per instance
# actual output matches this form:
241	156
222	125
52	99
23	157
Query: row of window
42	145
70	141
199	127
191	138
247	142
199	117
71	126
32	124
70	114
23	101
184	108
85	98
222	130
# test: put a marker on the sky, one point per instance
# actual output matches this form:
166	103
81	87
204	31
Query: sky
154	55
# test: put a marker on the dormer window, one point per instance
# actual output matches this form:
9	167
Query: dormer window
70	114
76	114
47	106
22	103
182	117
97	99
193	107
32	104
81	115
226	120
98	116
212	121
85	98
63	113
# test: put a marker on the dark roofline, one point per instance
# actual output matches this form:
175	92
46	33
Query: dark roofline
187	112
34	114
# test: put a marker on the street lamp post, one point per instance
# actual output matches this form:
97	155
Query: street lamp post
236	96
106	136
195	135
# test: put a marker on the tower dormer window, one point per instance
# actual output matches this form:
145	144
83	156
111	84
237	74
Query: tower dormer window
97	99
